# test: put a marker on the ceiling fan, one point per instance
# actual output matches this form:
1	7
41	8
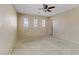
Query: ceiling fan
46	8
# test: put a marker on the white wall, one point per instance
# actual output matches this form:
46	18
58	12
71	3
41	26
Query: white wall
66	25
8	28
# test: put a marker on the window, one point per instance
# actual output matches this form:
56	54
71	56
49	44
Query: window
25	22
35	23
43	23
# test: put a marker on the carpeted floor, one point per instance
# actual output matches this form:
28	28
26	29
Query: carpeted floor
46	45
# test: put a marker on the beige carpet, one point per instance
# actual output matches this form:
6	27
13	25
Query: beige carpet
46	45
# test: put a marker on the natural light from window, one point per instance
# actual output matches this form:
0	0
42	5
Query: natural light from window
26	22
43	23
35	23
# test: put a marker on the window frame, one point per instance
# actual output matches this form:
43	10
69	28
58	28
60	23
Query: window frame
26	22
35	24
43	23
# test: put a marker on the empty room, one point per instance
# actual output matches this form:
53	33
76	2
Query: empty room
39	29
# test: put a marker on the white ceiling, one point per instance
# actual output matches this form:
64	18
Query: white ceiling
34	9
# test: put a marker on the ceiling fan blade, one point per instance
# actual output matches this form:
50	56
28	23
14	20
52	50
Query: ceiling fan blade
51	7
49	10
45	6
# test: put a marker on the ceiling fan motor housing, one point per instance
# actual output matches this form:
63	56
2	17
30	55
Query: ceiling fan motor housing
45	10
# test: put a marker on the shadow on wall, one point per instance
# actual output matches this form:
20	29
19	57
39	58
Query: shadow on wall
8	28
66	25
